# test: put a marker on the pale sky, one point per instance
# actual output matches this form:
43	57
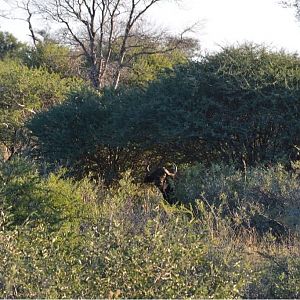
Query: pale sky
223	22
228	22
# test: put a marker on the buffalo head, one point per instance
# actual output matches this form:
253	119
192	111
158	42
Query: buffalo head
163	179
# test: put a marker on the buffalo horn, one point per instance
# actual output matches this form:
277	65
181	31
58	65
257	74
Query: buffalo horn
171	173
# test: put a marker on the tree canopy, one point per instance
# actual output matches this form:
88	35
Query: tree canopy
239	104
9	45
110	34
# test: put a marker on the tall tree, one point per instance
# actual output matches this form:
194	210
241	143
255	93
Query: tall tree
107	31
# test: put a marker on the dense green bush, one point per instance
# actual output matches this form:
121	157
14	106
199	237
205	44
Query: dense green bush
242	103
24	92
126	252
80	134
76	126
62	238
238	105
52	57
146	69
280	276
132	245
54	201
152	265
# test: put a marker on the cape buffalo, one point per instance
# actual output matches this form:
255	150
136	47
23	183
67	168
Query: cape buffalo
163	179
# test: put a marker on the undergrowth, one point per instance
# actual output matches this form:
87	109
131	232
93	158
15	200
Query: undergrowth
65	239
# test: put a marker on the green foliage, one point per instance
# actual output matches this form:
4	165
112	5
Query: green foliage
53	201
127	252
148	56
268	192
61	238
9	45
240	103
237	105
80	133
131	245
148	266
24	91
76	125
254	110
148	68
280	276
52	57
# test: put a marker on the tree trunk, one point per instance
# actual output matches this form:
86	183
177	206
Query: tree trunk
94	76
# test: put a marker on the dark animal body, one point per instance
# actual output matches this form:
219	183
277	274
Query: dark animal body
163	179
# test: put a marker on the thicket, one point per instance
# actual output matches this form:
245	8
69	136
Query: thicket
262	199
26	196
123	241
64	232
54	58
24	92
241	104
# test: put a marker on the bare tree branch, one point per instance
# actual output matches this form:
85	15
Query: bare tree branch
106	31
27	7
292	4
26	13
